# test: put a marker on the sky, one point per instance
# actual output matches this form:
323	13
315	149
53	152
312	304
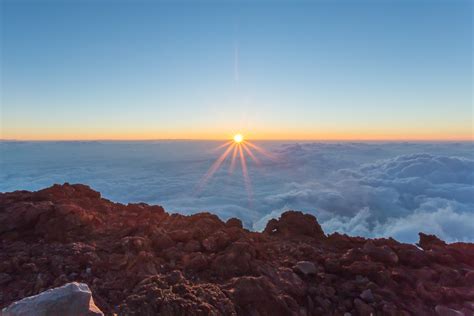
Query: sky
392	70
373	189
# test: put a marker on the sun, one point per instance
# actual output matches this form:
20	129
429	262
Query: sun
238	138
238	149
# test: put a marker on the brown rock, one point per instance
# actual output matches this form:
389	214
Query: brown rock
161	241
412	256
382	254
446	311
5	278
139	260
293	224
257	296
367	296
195	261
468	278
427	242
234	222
235	261
362	308
210	244
305	267
192	246
181	235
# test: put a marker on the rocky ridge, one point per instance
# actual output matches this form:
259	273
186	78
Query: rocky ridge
139	260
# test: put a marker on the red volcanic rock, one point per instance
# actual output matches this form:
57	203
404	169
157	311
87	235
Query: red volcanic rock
67	192
293	224
235	261
469	277
446	311
195	261
192	246
382	254
161	241
139	260
305	267
427	242
181	235
258	296
363	308
367	296
174	295
233	222
462	252
412	256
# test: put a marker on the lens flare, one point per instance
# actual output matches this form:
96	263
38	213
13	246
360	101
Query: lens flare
239	149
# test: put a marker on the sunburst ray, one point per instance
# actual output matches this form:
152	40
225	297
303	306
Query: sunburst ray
261	151
215	166
240	148
250	153
245	173
233	160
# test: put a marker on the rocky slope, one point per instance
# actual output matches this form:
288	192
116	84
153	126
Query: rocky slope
139	260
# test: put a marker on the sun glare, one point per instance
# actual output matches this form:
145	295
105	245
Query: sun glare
238	149
238	138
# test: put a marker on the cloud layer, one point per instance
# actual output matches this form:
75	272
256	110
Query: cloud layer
368	189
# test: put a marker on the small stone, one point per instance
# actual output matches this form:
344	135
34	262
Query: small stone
305	267
442	310
367	296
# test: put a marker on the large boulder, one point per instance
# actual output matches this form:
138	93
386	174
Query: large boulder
67	191
428	242
295	224
72	299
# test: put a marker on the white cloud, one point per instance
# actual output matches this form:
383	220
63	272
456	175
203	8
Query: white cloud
395	189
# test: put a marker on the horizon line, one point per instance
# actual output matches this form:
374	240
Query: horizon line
251	139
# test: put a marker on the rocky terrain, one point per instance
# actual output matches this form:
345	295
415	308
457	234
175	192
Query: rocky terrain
139	260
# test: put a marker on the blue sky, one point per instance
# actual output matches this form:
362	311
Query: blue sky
271	70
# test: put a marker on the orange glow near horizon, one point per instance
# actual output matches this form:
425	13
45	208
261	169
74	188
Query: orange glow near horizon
262	131
266	137
408	134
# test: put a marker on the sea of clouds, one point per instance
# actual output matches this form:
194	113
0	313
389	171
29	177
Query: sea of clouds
366	189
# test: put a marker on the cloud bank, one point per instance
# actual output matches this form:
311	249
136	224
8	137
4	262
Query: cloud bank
367	189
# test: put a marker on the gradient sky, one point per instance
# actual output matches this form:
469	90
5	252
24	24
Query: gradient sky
271	70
